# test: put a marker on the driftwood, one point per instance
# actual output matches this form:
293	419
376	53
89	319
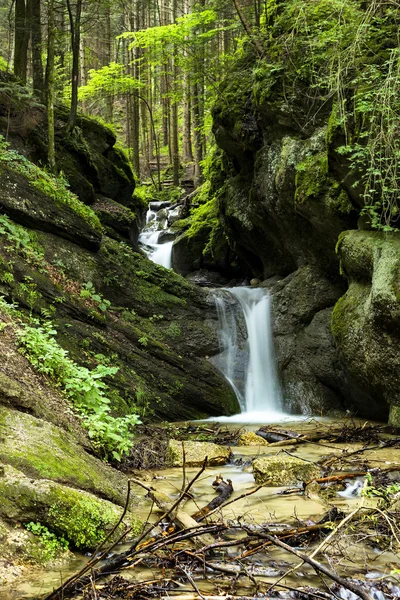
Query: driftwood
318	567
224	490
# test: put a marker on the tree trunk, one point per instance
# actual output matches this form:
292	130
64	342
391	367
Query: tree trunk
75	24
50	86
21	36
174	112
37	64
109	98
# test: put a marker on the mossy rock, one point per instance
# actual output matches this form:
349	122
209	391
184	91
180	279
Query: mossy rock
80	517
28	206
42	450
195	454
119	221
283	470
249	438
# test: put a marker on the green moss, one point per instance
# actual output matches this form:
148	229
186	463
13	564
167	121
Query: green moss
55	188
42	450
83	519
348	310
311	178
79	517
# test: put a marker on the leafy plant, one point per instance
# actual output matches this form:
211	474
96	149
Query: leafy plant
84	388
89	292
52	545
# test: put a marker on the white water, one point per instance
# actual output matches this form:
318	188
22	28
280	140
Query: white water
254	378
161	254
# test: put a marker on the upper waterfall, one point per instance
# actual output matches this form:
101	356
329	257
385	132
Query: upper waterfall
251	371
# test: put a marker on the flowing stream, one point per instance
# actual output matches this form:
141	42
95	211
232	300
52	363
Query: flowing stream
250	367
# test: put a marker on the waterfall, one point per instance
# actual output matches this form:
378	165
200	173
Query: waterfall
250	369
160	253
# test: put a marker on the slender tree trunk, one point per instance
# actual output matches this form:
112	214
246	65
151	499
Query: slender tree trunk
21	37
37	64
50	86
75	24
187	122
174	111
109	98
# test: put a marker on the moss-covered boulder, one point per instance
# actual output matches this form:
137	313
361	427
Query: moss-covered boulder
283	470
43	451
27	205
119	222
81	518
195	453
366	321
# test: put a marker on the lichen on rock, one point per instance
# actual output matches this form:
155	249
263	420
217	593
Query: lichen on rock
193	454
283	470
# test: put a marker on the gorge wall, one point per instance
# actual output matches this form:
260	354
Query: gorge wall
285	205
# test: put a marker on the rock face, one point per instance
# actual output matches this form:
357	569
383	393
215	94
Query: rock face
366	320
283	470
286	187
195	454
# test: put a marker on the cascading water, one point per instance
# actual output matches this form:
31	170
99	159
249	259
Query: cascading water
252	373
160	253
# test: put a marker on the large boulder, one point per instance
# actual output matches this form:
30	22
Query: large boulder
44	451
283	469
366	321
310	371
80	517
193	454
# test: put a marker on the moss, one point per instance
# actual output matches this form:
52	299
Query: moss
311	178
348	309
42	450
81	518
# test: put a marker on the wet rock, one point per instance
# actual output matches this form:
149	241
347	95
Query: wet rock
366	321
195	453
166	236
156	206
283	470
249	438
205	278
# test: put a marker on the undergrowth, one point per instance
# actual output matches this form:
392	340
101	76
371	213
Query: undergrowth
85	389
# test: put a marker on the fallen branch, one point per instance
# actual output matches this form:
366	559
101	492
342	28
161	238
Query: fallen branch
318	567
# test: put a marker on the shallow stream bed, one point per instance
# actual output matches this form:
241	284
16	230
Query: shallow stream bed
354	554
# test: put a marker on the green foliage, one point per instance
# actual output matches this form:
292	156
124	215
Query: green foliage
22	241
343	50
86	389
110	80
3	64
55	188
89	292
173	330
52	546
384	493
